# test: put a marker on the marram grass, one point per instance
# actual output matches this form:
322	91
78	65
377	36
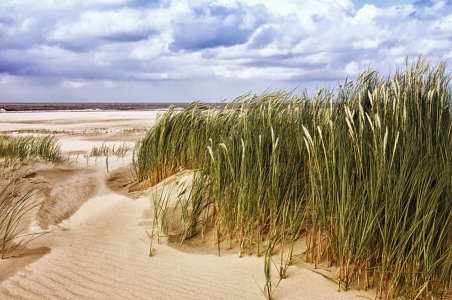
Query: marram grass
364	173
14	204
16	152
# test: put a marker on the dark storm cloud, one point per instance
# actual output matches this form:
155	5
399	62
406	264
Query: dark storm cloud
316	18
13	67
148	3
195	37
91	43
129	37
5	20
263	38
216	26
423	3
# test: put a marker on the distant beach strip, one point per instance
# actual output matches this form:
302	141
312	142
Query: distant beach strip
33	107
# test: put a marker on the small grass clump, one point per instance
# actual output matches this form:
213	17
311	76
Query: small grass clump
105	151
14	204
17	152
363	174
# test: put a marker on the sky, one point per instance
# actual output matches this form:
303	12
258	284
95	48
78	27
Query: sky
187	50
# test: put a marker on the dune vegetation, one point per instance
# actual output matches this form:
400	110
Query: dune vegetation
362	173
14	204
106	151
19	157
17	153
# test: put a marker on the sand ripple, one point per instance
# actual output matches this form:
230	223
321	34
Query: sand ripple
101	257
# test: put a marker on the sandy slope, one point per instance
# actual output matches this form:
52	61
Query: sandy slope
99	249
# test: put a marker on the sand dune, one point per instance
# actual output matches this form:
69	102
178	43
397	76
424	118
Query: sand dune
99	249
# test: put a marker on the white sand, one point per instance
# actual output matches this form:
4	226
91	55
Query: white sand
76	120
99	249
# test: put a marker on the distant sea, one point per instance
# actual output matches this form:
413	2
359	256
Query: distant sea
43	107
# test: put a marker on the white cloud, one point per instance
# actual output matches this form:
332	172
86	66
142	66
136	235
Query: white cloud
248	22
7	79
67	84
352	68
109	84
49	52
268	73
151	76
365	44
304	8
151	48
101	24
68	3
27	23
365	14
225	3
444	24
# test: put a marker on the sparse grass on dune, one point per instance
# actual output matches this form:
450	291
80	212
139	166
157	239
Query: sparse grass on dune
16	152
105	151
14	204
364	174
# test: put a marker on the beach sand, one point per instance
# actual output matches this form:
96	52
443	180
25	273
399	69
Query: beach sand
98	247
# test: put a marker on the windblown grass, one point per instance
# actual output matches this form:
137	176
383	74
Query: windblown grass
14	204
364	173
105	151
16	152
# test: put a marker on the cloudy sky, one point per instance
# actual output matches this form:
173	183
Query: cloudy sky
185	50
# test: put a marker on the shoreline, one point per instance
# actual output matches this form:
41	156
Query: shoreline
90	107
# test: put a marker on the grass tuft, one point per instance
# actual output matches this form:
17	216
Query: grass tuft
14	204
19	152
